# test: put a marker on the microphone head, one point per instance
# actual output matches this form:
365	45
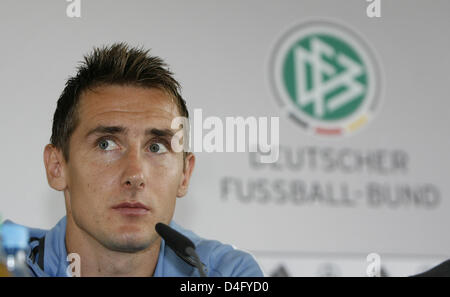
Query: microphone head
174	239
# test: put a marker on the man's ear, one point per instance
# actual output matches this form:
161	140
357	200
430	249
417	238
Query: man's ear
189	164
54	162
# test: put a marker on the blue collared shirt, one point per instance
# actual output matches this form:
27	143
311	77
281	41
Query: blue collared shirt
220	260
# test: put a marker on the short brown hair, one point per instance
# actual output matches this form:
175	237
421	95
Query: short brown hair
117	64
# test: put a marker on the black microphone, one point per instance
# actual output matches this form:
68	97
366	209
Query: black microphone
441	270
181	245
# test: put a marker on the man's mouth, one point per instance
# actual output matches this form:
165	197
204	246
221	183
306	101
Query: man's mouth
131	208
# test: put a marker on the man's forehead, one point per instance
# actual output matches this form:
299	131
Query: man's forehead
127	99
119	105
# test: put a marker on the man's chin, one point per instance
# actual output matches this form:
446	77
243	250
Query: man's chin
127	248
128	245
129	242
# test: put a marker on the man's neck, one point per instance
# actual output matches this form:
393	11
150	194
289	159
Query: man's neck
96	260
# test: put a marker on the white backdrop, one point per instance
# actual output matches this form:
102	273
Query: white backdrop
220	51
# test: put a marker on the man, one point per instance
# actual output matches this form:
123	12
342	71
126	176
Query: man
111	156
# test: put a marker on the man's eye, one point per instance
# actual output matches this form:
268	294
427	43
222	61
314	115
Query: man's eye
106	144
158	148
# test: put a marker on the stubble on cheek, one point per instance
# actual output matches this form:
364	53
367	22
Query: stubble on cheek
86	205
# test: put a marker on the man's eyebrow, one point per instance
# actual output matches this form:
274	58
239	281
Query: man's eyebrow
107	130
159	132
122	130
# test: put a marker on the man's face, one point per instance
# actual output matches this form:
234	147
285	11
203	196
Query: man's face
122	176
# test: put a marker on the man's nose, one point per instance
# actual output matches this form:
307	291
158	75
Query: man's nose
133	177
